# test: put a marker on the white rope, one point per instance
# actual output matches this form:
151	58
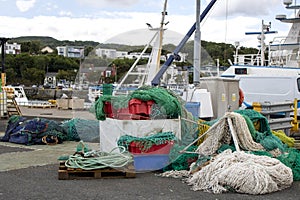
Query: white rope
230	125
175	174
245	173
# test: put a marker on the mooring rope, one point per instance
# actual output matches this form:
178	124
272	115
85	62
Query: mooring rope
99	160
242	172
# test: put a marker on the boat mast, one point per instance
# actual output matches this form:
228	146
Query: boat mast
161	33
174	56
153	65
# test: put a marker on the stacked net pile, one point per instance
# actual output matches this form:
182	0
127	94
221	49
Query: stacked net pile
81	129
21	130
262	162
243	173
146	142
220	134
167	104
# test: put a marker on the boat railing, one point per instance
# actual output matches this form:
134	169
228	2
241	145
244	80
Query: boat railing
284	51
248	59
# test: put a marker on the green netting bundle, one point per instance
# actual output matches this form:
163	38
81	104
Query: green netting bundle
256	117
115	101
166	102
147	141
181	161
70	129
264	134
166	99
224	147
292	160
81	129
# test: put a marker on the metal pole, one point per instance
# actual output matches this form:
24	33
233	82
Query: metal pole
3	76
156	79
197	46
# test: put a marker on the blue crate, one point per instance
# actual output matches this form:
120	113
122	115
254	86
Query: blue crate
150	162
193	107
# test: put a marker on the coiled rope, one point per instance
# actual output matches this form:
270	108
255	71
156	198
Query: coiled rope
242	172
99	160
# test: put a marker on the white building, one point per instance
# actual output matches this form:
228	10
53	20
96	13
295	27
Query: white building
110	53
71	51
47	49
12	48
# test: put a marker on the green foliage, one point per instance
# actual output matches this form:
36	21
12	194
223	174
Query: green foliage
29	66
66	74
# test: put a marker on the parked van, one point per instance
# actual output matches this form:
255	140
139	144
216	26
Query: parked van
266	84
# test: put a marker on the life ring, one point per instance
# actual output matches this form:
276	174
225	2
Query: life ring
242	97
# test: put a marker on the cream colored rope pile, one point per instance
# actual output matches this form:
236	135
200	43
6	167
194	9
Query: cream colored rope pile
221	133
243	172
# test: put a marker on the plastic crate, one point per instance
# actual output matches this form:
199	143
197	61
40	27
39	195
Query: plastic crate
124	114
137	148
108	109
139	107
150	162
194	108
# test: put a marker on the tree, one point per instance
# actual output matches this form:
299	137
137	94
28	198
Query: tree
33	76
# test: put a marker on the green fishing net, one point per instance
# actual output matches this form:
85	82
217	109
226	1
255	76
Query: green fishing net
167	104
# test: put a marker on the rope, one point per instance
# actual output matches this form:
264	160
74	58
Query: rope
221	133
242	172
99	160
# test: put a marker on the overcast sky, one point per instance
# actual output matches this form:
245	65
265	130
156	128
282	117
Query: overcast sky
101	20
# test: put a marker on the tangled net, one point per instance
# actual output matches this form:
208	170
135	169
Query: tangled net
242	172
222	133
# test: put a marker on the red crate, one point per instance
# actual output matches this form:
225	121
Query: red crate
136	148
138	107
128	116
108	109
123	114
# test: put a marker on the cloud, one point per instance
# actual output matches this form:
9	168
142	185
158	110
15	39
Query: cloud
246	7
108	3
25	5
65	13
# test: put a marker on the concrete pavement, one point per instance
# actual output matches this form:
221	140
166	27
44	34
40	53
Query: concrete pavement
31	172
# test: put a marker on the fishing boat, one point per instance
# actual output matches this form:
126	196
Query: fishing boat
18	93
275	79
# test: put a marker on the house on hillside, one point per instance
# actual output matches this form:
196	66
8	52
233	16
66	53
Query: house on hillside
47	49
12	48
71	51
110	53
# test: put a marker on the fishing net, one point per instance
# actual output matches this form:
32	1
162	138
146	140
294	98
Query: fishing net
243	173
181	161
163	106
167	104
269	164
34	131
80	129
145	143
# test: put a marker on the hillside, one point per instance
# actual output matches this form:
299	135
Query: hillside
220	51
52	42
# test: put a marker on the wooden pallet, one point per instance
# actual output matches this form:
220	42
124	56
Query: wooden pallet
65	173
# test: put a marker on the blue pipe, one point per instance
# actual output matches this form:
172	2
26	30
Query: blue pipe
164	67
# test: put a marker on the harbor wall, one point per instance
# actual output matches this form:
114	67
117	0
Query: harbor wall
46	94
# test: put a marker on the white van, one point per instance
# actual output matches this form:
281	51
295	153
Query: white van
266	84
